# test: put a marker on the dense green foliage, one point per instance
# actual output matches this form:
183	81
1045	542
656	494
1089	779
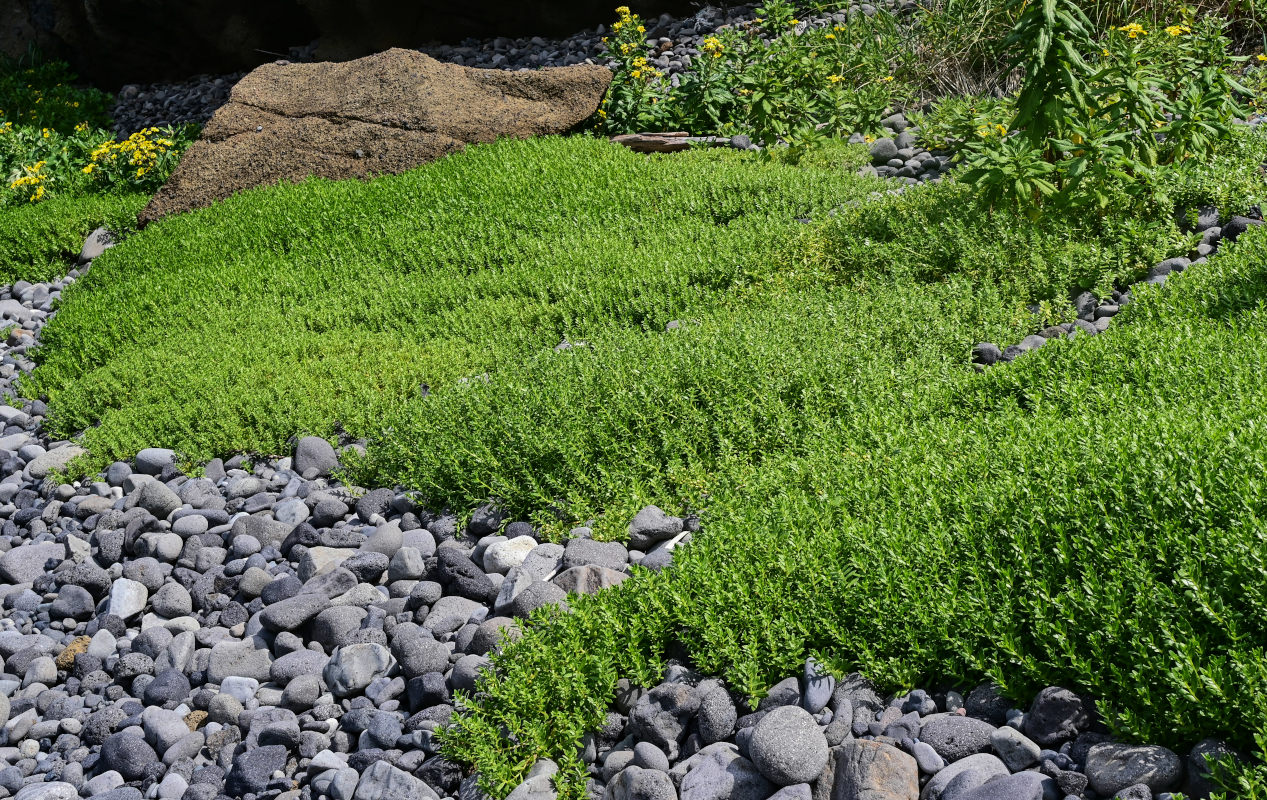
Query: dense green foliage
53	141
36	240
358	293
1088	511
1089	516
36	93
775	78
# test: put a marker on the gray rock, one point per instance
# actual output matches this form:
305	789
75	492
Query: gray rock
872	770
172	600
536	595
537	785
127	754
1014	749
652	525
580	552
1021	786
52	790
408	564
25	563
660	716
53	461
883	150
1238	225
72	601
979	768
1201	760
800	791
127	598
488	635
1112	766
589	579
1138	791
818	686
502	557
153	460
543	561
986	353
450	613
1056	715
294	612
157	499
987	702
382	781
292	665
315	457
355	666
718	772
648	756
253	768
485	520
955	737
466	672
418	654
716	716
636	783
927	759
788	747
229	658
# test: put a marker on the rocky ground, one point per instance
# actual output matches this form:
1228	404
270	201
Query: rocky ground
814	738
252	631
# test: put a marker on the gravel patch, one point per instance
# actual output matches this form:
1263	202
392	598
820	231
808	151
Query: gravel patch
920	745
258	631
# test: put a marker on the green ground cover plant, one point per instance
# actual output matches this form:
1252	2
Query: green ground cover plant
815	404
62	174
1089	516
38	240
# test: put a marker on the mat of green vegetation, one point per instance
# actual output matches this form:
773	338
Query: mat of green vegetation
1087	516
1090	516
38	240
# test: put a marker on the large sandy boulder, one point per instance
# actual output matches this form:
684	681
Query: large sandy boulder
384	113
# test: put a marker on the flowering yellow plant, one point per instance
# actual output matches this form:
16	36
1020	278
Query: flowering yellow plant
1133	30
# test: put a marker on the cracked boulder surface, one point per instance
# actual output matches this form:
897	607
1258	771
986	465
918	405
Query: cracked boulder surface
382	114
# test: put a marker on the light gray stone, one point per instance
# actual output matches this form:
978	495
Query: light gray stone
788	747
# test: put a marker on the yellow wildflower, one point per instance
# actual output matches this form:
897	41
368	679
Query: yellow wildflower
617	25
622	10
1133	30
641	29
712	45
1002	129
1178	30
636	73
830	36
1262	57
794	22
887	78
88	169
835	78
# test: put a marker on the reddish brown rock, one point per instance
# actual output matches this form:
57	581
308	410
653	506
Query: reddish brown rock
382	114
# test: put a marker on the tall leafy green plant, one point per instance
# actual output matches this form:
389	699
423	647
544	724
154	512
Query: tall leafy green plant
1048	41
